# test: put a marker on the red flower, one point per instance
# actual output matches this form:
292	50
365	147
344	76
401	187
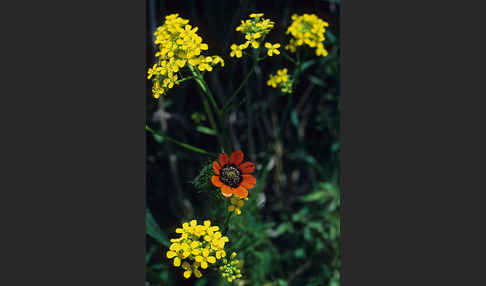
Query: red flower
233	176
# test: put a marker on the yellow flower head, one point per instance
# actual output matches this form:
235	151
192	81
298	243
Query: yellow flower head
272	49
255	29
236	50
281	80
308	30
197	247
178	45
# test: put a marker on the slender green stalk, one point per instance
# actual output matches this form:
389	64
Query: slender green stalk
202	83
223	137
235	93
182	144
226	223
212	121
183	79
291	96
288	57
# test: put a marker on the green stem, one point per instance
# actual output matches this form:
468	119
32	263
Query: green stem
228	104
200	80
288	57
289	103
187	146
210	115
223	137
183	79
226	223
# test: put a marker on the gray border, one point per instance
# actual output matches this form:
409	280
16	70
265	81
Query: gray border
75	144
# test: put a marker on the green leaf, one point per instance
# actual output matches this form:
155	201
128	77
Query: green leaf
150	253
158	138
335	146
282	228
314	196
299	253
294	118
200	282
307	64
316	80
205	130
332	38
153	229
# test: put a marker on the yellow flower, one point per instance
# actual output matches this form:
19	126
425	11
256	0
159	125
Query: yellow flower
236	51
218	59
255	29
272	49
157	90
282	80
152	71
198	246
308	30
178	45
205	64
191	269
205	258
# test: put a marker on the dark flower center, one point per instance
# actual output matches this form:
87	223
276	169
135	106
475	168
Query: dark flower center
231	176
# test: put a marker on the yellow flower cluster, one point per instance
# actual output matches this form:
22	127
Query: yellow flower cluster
236	205
178	45
255	29
307	29
197	246
281	80
230	269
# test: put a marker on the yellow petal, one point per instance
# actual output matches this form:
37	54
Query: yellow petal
177	262
170	254
204	265
211	259
187	274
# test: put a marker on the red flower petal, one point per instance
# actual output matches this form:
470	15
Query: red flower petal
236	158
248	182
223	159
247	167
226	191
216	167
216	181
240	192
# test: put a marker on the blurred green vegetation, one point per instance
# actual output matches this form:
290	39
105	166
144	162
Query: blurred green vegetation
289	230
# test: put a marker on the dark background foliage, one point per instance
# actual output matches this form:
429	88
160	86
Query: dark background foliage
288	233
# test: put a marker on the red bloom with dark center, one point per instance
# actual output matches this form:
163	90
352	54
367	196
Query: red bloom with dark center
233	176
